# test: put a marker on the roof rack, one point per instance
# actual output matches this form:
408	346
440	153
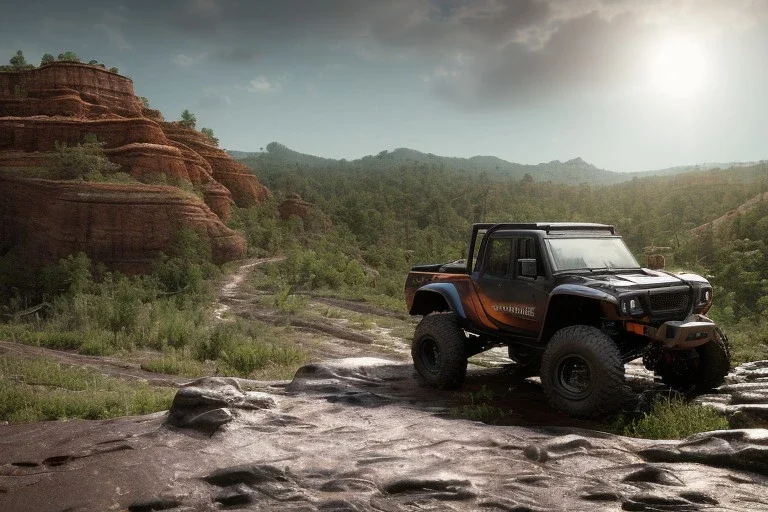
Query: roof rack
545	226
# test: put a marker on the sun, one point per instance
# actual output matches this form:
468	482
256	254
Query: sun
679	67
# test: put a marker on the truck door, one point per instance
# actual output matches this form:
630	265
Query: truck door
512	301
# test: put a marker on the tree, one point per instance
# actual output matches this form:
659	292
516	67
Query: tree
47	59
68	56
188	119
208	132
18	61
93	62
86	161
113	70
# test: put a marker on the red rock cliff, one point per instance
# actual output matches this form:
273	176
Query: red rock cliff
123	226
64	102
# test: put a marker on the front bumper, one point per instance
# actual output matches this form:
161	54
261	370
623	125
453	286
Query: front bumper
694	331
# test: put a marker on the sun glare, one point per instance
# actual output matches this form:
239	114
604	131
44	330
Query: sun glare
678	67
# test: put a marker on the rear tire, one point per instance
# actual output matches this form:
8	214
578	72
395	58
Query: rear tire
582	372
439	352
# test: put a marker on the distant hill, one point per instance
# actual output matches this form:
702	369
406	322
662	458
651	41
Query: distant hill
575	171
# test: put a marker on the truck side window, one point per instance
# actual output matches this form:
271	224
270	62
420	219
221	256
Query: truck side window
499	252
526	249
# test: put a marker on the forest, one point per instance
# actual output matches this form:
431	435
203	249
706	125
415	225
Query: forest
386	218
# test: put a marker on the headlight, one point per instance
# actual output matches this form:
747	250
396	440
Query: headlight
631	306
704	296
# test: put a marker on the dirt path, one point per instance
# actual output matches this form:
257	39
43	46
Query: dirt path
230	289
324	337
105	365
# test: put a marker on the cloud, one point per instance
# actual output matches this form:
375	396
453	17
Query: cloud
200	16
262	85
215	100
513	52
112	21
115	36
236	54
186	61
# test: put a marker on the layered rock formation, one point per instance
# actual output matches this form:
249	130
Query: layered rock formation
294	205
124	225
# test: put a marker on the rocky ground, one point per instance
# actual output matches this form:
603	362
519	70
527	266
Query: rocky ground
360	433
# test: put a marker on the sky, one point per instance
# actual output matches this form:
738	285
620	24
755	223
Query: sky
627	85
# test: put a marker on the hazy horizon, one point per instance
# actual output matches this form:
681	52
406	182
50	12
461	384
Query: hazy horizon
627	86
562	160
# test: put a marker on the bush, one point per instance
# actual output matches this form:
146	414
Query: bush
242	347
85	161
187	265
42	389
175	362
671	418
68	56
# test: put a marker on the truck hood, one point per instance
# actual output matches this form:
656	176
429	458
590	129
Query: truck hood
626	280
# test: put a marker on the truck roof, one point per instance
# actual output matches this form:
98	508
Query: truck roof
548	227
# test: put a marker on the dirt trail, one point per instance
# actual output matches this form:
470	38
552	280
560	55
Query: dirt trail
105	365
231	288
323	337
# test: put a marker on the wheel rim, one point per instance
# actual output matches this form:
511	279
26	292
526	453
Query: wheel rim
573	376
429	352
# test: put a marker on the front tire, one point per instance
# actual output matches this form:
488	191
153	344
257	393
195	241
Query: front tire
439	352
702	368
582	372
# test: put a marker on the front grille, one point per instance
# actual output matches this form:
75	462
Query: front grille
669	301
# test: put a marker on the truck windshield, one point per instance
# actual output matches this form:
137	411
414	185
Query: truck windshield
590	253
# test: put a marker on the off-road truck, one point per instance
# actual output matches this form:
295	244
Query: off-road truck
572	305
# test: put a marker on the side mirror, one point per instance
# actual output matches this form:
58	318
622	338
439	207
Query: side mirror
527	267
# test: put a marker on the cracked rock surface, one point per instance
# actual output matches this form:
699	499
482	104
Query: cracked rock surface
358	435
744	396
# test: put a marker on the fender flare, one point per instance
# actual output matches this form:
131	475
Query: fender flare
578	290
581	291
574	291
447	291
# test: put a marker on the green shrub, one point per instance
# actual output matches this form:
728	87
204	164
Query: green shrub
477	406
671	418
42	389
175	362
86	161
244	359
187	265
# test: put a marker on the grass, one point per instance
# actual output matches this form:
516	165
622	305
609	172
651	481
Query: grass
477	407
670	418
176	362
42	389
748	342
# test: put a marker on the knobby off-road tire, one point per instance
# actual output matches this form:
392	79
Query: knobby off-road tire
582	373
706	369
439	352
